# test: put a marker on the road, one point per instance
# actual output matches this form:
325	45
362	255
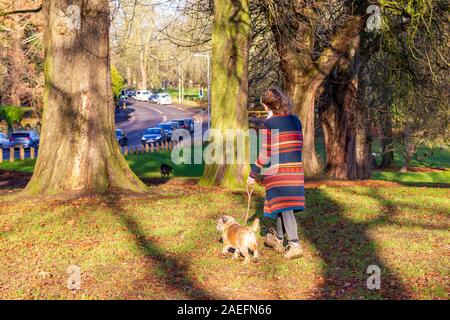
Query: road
146	115
143	115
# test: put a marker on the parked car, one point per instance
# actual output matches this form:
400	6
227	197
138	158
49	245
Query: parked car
142	95
164	98
153	98
154	135
121	137
191	123
123	95
187	124
4	141
131	94
25	139
169	127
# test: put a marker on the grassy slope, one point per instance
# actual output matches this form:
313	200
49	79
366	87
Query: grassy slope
442	177
164	245
436	157
189	93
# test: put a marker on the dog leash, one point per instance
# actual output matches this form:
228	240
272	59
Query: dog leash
249	195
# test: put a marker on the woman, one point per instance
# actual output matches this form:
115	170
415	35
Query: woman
279	167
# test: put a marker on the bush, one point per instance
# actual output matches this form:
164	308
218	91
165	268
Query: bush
11	114
117	82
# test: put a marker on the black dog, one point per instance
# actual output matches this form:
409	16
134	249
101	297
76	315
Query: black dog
165	170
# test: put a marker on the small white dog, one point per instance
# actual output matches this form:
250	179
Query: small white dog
240	238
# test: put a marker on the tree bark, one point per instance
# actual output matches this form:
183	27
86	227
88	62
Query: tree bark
15	62
363	138
229	94
344	120
143	70
387	140
129	82
78	150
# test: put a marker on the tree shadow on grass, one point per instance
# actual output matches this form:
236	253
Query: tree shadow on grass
155	181
347	251
170	270
390	211
10	180
344	247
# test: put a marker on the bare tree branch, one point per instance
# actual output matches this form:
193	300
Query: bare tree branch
21	11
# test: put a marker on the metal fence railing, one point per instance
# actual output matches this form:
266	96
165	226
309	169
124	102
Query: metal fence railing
257	113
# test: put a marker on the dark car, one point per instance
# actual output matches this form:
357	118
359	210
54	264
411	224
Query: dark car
154	135
169	127
187	124
121	137
25	139
182	123
153	98
131	94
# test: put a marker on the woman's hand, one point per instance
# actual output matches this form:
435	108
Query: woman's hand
250	181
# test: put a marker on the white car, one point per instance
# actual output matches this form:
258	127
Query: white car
142	95
164	98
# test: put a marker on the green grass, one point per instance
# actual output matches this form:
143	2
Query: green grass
163	245
147	165
26	165
436	157
189	93
438	177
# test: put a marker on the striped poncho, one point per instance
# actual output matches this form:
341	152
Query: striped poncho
279	165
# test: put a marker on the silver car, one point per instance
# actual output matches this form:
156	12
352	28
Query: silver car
4	141
25	139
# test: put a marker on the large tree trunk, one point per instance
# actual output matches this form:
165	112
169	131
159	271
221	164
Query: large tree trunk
302	73
230	50
344	120
78	150
143	71
129	82
303	95
363	138
336	129
387	141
